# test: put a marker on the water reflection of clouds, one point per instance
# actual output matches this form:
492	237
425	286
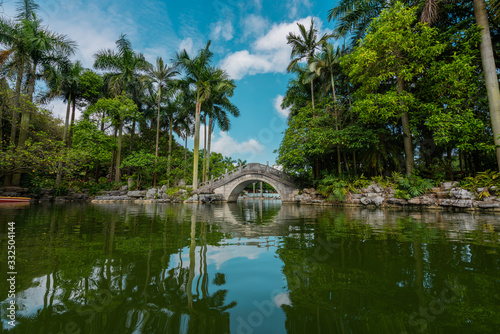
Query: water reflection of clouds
231	249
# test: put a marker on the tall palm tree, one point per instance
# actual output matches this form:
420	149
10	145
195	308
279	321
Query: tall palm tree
304	46
490	72
297	93
124	66
219	107
160	75
63	82
174	112
32	46
197	74
14	36
186	98
15	57
354	16
46	48
327	64
124	69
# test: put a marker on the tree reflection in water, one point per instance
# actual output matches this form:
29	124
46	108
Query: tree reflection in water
130	286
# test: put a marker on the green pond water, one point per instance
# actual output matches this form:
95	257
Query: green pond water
250	267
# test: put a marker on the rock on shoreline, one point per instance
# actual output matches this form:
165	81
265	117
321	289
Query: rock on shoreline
447	196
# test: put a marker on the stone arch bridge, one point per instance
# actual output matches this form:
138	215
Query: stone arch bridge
231	184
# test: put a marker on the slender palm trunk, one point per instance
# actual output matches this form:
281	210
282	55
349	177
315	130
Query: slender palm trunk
65	133
196	144
26	114
210	125
132	135
169	164
490	72
336	123
25	122
312	93
118	154
17	104
185	155
157	134
102	120
70	135
204	178
407	138
111	167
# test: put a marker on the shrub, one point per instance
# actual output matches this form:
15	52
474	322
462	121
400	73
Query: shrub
484	180
410	186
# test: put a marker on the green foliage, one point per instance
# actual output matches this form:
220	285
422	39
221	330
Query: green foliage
61	191
410	186
484	180
335	188
103	180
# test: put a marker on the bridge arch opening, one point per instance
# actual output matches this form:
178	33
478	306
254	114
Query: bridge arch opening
260	189
240	186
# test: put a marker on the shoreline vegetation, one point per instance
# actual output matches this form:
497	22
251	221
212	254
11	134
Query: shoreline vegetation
403	97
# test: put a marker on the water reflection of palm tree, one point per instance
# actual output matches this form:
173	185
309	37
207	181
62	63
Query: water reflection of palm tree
207	313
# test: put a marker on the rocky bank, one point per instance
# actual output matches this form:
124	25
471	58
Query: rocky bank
447	196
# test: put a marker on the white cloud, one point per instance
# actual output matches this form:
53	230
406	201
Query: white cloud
254	25
277	105
296	6
226	145
191	45
92	32
258	4
222	29
270	53
188	45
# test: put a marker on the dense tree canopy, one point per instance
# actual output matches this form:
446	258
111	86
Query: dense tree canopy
130	111
408	95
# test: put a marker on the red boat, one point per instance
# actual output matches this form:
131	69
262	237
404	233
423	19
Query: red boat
4	199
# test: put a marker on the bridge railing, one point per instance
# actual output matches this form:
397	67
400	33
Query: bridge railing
252	167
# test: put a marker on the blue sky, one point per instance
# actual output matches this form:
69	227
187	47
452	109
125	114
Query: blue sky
248	40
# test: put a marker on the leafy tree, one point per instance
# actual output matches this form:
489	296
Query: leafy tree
392	55
119	109
430	14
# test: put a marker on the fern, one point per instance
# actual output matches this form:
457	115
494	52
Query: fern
411	186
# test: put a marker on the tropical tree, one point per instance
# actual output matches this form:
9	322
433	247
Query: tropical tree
218	108
490	71
354	17
64	82
327	64
46	48
33	47
186	98
124	66
393	50
160	75
14	60
430	15
119	109
304	46
197	74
